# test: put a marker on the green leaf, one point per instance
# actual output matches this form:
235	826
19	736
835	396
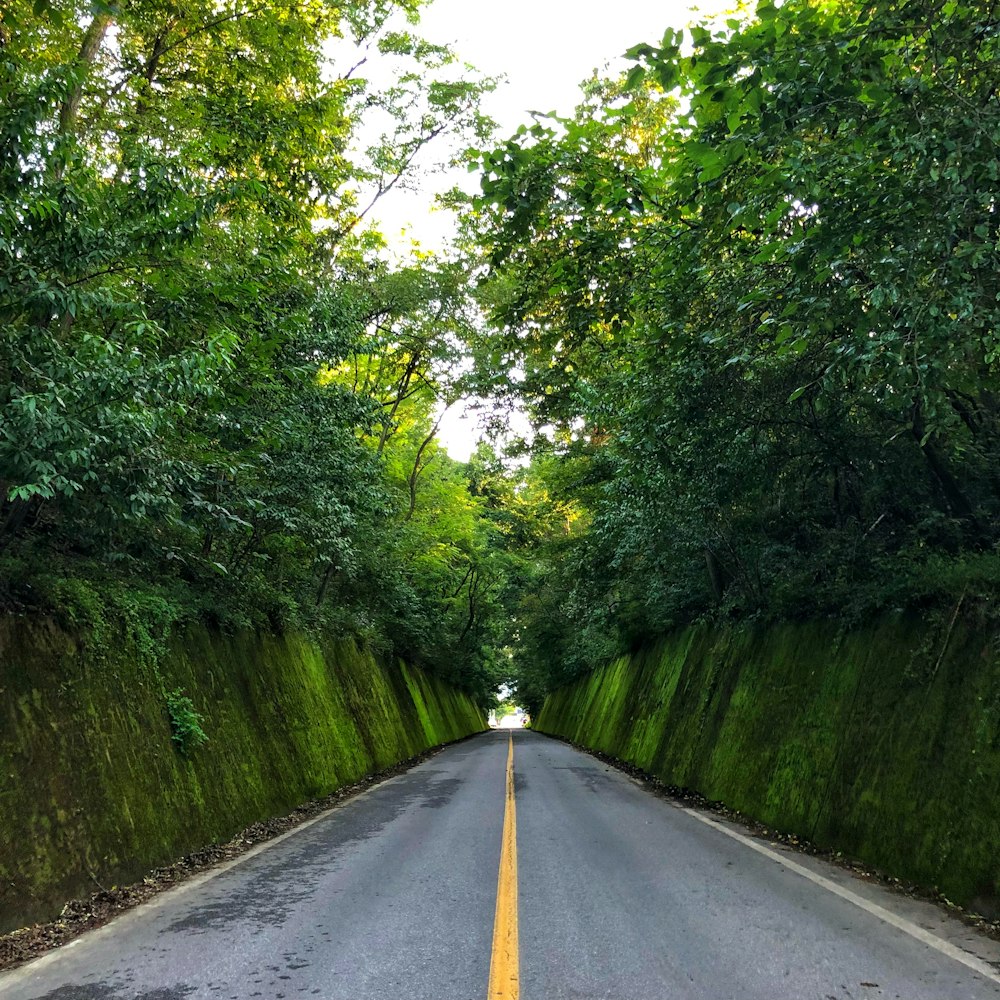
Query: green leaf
636	77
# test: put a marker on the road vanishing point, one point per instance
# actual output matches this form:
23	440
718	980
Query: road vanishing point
514	866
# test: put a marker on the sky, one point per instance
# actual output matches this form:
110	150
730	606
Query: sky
544	48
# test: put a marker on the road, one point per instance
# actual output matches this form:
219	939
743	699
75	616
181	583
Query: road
611	892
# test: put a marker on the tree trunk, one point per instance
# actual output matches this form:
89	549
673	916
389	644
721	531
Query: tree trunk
417	469
93	38
717	576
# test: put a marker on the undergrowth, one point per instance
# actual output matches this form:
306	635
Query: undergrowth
185	723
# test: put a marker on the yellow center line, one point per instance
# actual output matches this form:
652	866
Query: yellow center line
505	962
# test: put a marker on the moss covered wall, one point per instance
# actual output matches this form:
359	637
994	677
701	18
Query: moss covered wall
884	744
93	792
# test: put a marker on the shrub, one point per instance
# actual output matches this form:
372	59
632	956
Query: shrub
185	723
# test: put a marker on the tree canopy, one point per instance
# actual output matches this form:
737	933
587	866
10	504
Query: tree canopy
747	296
212	383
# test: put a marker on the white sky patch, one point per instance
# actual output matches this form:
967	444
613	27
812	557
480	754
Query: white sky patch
544	49
459	431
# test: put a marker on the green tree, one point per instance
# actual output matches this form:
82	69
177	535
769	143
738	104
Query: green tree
769	326
185	272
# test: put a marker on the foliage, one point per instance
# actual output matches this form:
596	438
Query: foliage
749	294
185	723
185	277
504	708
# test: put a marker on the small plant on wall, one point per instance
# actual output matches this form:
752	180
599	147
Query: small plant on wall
185	723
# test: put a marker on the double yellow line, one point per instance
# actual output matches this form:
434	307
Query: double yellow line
505	961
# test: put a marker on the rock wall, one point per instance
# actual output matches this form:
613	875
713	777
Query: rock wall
883	743
94	791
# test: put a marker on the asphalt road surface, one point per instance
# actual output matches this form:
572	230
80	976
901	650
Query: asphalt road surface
614	894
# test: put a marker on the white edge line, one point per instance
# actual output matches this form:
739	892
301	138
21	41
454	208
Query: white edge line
13	976
901	923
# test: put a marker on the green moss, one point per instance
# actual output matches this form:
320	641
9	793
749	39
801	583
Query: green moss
837	738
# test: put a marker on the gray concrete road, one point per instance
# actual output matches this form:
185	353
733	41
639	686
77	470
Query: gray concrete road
622	896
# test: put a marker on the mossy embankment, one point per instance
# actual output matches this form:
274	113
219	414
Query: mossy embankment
94	790
883	743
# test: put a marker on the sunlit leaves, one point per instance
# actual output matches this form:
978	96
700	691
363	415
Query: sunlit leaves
183	279
786	353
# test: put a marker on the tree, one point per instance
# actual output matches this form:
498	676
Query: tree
768	324
185	277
